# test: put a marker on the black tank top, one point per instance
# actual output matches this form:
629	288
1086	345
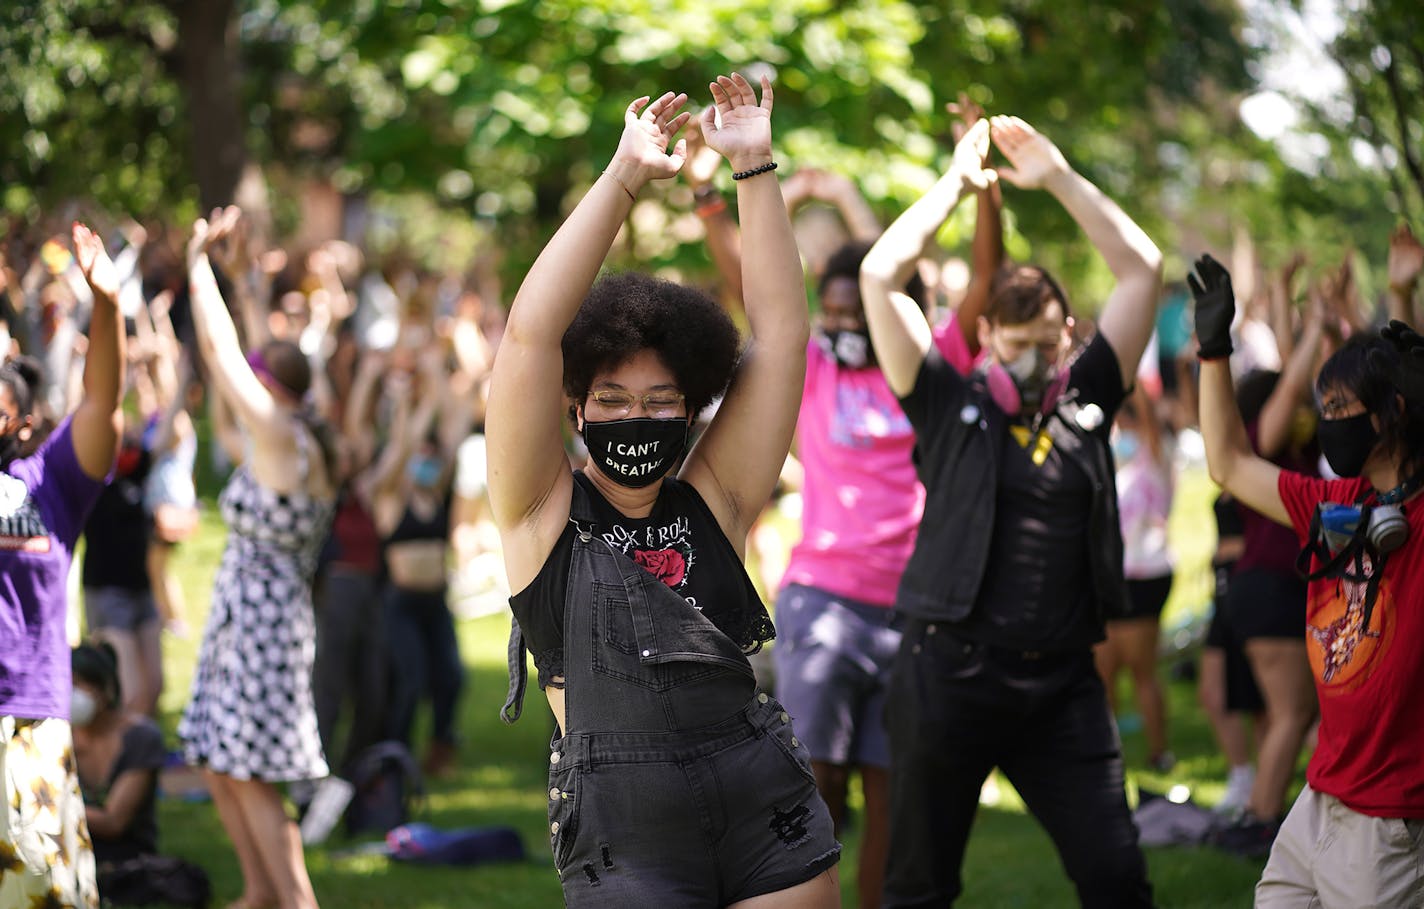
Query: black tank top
411	527
679	542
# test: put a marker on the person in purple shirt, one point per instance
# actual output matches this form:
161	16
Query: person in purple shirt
44	500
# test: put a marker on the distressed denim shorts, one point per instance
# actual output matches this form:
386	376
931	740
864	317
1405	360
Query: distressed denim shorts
693	819
833	657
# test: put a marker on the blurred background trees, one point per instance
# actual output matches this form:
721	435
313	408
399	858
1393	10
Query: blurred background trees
432	123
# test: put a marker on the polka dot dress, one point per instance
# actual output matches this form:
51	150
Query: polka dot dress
251	715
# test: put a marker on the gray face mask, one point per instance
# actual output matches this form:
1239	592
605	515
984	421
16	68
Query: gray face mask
1031	373
82	707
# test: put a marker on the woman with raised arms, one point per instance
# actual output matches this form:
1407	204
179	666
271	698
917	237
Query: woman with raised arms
632	594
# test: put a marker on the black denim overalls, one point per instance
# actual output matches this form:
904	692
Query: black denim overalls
675	783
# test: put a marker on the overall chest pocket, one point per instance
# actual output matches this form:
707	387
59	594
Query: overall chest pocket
655	642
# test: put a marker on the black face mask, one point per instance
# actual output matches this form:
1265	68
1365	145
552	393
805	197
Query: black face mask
636	452
1347	443
851	349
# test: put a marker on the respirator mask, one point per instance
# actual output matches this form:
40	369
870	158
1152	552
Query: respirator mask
1341	536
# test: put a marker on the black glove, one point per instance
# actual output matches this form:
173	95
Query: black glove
1215	308
1406	371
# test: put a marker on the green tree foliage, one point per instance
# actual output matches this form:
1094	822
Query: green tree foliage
1381	50
499	110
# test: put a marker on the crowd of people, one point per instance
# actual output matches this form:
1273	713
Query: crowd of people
984	467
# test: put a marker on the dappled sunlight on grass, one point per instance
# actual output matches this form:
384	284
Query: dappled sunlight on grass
500	779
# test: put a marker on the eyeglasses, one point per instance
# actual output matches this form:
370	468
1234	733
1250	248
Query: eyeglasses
655	403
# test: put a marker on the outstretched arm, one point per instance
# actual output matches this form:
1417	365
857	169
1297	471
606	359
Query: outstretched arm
1274	426
252	404
1234	467
840	191
736	462
1282	296
987	252
1406	260
1130	312
99	420
526	454
898	327
724	243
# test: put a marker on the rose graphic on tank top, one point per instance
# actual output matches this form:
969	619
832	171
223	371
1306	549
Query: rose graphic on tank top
1343	652
667	565
664	550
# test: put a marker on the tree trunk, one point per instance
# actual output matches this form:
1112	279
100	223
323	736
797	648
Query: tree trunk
208	69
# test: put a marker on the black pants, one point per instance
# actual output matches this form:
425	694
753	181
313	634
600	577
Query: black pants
350	671
957	710
425	657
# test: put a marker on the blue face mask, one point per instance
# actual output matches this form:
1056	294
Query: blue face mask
1124	445
423	470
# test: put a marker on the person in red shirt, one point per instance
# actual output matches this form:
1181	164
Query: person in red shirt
1354	836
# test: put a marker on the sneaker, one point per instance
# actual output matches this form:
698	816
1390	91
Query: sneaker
1238	790
1249	837
332	796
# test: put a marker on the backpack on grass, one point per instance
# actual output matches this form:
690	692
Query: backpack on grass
387	788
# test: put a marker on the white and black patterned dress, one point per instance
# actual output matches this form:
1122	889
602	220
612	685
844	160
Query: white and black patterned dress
252	715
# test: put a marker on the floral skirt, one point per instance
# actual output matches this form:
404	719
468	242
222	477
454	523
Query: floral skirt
46	857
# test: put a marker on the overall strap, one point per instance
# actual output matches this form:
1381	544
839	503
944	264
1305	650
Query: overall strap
518	675
581	516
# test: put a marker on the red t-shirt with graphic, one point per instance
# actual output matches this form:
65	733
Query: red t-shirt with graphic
1370	680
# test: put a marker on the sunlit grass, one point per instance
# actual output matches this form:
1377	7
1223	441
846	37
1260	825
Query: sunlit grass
501	780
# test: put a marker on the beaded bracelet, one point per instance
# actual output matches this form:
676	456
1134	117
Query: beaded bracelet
765	168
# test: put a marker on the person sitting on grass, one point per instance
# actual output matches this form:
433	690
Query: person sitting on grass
120	752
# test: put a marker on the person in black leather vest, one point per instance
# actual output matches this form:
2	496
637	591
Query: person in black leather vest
1019	557
672	781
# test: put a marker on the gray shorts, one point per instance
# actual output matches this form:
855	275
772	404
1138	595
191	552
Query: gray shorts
694	821
833	657
118	608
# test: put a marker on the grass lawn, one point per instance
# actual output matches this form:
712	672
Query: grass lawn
501	780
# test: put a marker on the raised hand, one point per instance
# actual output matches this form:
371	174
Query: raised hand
95	264
966	113
1406	259
209	231
702	160
1033	159
230	252
1408	373
970	156
648	131
1215	308
744	136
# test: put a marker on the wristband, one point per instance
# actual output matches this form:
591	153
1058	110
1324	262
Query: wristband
765	168
619	181
713	206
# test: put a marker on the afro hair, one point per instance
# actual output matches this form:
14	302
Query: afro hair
630	312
